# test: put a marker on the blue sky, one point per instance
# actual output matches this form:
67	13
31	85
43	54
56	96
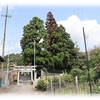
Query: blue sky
72	17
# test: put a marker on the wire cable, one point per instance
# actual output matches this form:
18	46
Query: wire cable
12	13
92	29
14	10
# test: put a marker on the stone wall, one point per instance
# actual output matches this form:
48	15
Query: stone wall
15	74
12	76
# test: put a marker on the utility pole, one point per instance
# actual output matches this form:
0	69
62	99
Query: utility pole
34	52
3	48
34	64
87	37
88	54
8	66
87	61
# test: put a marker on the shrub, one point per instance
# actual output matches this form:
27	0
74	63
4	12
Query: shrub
83	78
55	80
67	78
41	85
76	72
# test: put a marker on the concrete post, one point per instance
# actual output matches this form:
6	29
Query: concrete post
59	84
18	78
76	78
34	77
31	75
51	86
5	78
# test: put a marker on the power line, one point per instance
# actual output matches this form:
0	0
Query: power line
14	10
92	29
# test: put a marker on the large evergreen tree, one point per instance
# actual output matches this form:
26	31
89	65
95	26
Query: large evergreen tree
35	31
61	46
63	50
56	51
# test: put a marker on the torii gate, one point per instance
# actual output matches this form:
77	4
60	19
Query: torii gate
26	69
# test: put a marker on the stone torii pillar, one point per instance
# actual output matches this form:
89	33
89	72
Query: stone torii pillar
31	74
35	75
18	76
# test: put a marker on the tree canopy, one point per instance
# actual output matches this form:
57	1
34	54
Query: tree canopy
54	50
56	54
62	50
35	31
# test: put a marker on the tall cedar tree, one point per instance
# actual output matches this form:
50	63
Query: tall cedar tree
35	31
61	46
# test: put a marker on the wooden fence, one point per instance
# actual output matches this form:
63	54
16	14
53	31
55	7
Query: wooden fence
72	88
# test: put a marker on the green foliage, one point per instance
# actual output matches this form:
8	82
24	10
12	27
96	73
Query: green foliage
41	85
60	54
67	78
15	58
84	68
35	31
80	60
83	78
81	73
76	72
55	79
94	61
62	50
93	75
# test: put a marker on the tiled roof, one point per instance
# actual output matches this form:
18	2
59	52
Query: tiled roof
1	59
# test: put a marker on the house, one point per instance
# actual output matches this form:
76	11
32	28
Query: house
1	59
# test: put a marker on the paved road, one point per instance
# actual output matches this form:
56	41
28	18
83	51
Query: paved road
22	92
20	89
27	77
23	88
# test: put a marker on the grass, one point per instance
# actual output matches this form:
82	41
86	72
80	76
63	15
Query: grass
71	88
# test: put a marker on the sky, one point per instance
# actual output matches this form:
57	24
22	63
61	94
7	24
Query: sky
73	15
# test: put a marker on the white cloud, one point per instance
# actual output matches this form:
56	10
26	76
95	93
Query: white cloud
74	26
11	48
18	45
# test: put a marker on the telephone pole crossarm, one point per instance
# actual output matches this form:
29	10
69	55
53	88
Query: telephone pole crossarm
8	16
